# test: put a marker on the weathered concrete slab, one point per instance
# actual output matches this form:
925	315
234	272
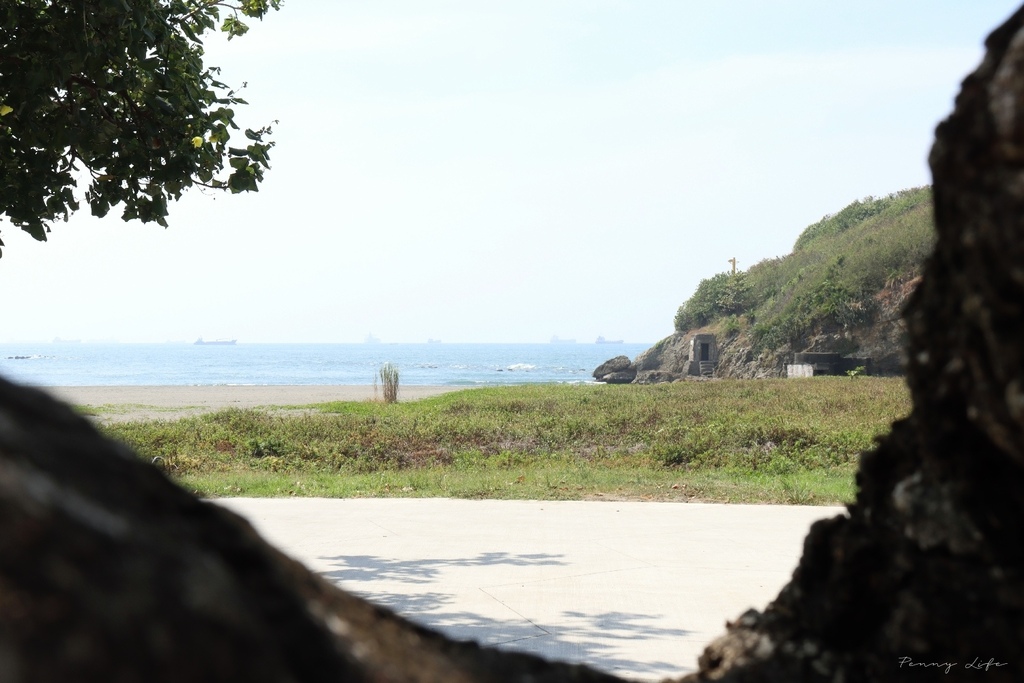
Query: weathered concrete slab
635	589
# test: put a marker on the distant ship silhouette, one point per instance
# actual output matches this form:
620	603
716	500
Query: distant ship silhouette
215	342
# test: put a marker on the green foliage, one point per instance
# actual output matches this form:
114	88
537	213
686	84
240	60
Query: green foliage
546	481
731	326
858	212
720	295
832	278
117	90
577	436
261	448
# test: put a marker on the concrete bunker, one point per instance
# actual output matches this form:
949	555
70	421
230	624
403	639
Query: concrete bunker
813	364
703	355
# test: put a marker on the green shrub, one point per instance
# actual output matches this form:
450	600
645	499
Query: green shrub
720	295
262	448
731	326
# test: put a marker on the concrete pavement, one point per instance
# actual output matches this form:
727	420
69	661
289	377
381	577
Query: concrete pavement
635	589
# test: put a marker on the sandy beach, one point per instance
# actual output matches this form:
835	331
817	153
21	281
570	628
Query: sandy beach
122	403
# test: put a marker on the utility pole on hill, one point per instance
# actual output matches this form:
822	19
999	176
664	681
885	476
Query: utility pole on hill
733	262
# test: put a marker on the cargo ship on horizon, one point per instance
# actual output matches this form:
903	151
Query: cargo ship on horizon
215	342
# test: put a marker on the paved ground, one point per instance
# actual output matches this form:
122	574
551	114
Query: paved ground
636	589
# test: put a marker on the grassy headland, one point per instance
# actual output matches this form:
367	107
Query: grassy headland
780	441
835	278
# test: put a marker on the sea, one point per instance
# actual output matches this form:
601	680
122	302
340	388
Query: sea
57	364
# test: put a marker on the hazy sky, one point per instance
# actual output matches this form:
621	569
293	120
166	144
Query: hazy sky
508	171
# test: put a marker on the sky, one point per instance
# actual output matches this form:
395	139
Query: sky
509	171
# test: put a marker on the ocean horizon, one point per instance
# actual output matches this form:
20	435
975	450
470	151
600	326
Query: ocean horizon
72	363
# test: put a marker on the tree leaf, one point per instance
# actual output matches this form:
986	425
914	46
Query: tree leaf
120	92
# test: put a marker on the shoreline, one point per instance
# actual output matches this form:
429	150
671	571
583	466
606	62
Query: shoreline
123	403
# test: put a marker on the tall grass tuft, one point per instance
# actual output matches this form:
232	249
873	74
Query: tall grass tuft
389	382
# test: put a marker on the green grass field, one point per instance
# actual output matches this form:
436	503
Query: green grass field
777	441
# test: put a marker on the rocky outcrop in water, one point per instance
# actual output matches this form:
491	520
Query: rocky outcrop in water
618	370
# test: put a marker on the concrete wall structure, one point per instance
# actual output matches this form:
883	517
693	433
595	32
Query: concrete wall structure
830	363
801	370
703	355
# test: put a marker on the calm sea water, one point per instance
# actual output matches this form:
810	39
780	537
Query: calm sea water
85	364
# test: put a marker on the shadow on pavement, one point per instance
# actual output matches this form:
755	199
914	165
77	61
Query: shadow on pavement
601	639
356	568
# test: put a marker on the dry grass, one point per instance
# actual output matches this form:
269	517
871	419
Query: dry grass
773	436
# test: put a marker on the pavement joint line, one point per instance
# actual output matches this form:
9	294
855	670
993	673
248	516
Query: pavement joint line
515	611
524	638
566	576
381	526
619	552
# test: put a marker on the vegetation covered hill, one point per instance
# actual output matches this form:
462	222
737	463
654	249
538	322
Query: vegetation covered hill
840	289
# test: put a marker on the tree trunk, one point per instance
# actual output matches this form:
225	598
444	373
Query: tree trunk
925	575
108	572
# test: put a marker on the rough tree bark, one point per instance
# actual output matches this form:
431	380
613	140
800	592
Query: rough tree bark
109	572
927	569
